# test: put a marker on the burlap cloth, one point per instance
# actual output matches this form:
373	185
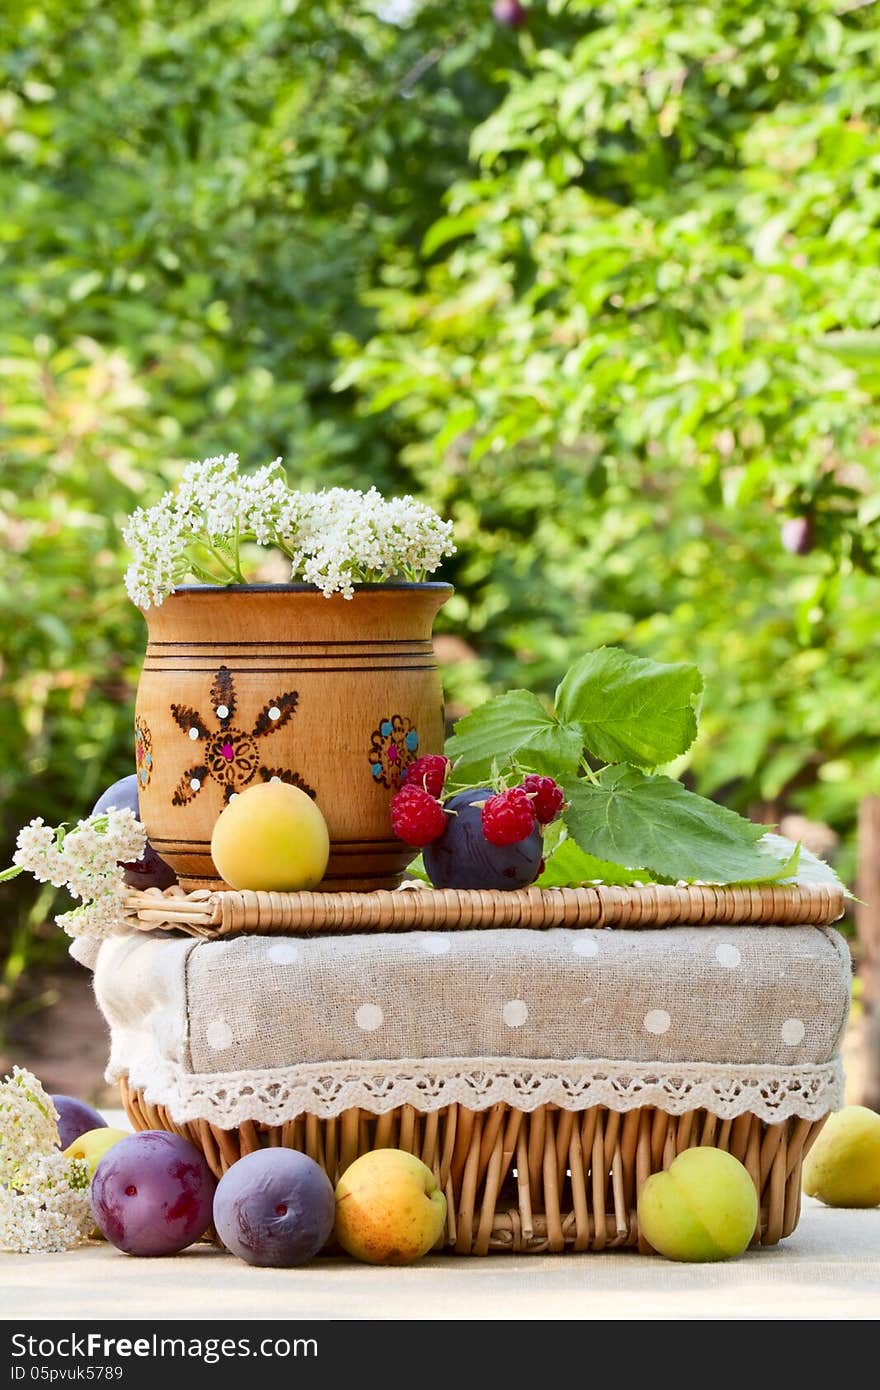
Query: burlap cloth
266	1028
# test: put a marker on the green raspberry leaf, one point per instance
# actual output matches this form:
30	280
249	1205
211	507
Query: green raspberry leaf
631	819
630	709
812	872
515	725
569	866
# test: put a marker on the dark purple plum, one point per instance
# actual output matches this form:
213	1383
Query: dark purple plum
152	1194
75	1118
510	14
464	858
274	1207
797	535
150	871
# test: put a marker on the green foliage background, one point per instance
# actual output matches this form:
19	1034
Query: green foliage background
605	290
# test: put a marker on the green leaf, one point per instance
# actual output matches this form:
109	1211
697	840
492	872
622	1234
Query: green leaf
631	709
631	819
515	725
569	866
416	869
811	871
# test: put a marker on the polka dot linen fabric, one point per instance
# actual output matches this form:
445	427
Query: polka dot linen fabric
250	1011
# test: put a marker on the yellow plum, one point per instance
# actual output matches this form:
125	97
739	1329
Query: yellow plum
273	837
389	1208
93	1145
842	1168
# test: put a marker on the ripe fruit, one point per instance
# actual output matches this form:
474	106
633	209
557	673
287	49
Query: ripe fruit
797	535
152	1194
271	836
508	817
510	14
274	1207
389	1208
429	773
75	1118
94	1144
416	817
704	1207
149	871
842	1168
464	858
546	795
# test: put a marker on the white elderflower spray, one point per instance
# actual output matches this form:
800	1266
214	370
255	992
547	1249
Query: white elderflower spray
44	1197
335	539
86	861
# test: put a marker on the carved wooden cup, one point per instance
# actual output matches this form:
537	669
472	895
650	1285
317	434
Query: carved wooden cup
252	682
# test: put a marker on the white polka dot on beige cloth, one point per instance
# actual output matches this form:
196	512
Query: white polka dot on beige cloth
728	955
434	945
792	1032
515	1013
369	1017
585	946
657	1021
218	1034
283	953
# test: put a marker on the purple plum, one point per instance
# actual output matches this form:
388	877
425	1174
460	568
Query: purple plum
152	1193
510	14
464	858
150	871
274	1207
75	1118
797	535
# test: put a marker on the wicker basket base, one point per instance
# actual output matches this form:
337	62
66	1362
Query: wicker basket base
547	1180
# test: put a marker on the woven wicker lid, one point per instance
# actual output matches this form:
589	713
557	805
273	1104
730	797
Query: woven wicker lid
208	914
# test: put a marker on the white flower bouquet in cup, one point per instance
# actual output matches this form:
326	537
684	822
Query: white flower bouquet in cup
335	539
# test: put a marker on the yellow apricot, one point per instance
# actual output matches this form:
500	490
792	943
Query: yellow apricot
272	836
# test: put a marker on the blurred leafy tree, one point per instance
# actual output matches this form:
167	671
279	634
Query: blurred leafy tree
642	337
195	197
622	264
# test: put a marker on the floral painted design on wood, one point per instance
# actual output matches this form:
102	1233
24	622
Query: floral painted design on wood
143	751
230	755
394	745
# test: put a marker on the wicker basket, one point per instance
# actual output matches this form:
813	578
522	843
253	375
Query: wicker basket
545	1181
219	914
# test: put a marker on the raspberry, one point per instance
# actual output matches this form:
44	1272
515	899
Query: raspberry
417	818
508	817
429	773
547	797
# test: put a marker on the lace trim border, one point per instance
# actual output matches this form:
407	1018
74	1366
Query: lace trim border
325	1089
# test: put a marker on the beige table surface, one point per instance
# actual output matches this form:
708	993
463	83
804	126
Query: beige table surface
829	1268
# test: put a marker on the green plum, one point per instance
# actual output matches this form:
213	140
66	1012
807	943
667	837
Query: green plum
704	1207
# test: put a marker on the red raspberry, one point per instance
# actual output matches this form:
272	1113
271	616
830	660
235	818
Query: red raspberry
547	797
429	773
508	817
417	818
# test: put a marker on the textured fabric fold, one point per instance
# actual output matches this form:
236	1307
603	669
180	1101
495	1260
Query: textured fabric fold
264	1029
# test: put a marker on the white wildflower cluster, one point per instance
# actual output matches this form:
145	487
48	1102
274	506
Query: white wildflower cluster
86	862
346	537
334	539
44	1197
